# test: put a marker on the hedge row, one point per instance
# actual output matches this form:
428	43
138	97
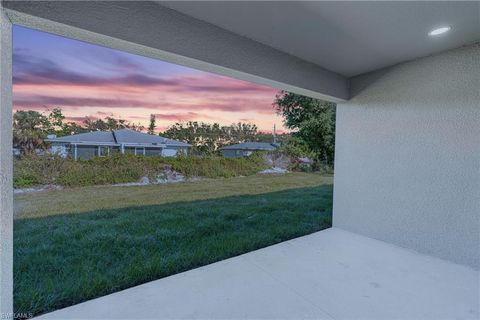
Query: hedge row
47	169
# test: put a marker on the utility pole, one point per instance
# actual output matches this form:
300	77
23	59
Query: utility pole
274	135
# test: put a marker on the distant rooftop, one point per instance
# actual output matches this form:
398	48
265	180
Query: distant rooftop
253	146
118	137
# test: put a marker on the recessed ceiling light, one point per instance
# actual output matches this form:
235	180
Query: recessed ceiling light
439	31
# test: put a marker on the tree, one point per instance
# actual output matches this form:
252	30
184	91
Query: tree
55	120
268	137
152	126
205	138
70	128
58	126
209	138
109	123
240	132
29	130
313	120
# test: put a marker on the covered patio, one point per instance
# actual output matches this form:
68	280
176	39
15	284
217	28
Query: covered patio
405	76
331	274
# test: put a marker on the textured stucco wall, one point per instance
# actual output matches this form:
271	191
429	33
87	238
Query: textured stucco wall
6	168
407	167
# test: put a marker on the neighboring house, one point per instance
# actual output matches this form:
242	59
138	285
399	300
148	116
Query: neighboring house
104	143
247	148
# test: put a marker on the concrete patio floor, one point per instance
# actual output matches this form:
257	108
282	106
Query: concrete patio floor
332	274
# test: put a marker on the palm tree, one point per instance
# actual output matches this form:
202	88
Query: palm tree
29	130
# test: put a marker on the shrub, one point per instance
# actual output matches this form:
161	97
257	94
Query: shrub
33	169
215	167
49	169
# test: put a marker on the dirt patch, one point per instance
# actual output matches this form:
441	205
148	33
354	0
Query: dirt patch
167	176
276	170
37	189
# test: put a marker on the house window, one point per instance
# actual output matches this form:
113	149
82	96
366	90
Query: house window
153	152
103	151
129	150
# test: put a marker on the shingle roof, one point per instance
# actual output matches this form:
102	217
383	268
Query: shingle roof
122	136
96	136
252	146
130	136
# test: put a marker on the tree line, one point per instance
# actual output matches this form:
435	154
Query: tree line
209	138
311	121
31	128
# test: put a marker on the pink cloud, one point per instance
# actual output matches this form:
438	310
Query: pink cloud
41	84
189	116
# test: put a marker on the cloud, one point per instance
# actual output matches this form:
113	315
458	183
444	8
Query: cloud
39	108
221	84
189	116
79	120
101	113
31	70
126	64
43	101
221	104
41	83
40	71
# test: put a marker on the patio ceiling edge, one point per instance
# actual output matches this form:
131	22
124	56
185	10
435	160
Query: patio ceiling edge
158	32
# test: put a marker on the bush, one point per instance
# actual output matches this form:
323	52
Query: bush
97	171
33	169
212	166
297	148
49	169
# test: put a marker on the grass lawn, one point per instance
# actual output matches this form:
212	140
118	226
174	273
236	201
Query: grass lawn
77	244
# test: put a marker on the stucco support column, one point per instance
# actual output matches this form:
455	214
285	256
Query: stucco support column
6	168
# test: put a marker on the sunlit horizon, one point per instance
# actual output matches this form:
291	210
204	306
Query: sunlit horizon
86	80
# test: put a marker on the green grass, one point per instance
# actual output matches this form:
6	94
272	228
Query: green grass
95	247
78	200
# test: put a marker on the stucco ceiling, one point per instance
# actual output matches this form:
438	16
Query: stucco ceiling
348	38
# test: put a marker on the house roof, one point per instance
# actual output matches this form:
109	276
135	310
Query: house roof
129	136
252	146
118	137
96	136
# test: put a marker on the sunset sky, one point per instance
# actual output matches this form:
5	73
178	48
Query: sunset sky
89	80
